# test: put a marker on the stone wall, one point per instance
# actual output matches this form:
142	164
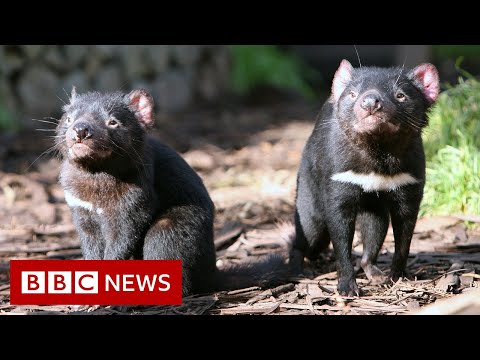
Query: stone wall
34	78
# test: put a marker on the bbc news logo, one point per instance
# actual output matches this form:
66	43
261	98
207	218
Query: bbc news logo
59	282
95	282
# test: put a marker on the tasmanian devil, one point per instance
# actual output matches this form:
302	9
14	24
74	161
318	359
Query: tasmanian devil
132	197
364	161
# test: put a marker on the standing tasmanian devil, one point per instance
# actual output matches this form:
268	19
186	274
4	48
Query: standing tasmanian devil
132	197
364	161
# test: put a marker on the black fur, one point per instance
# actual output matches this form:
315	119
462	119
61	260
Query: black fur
341	141
152	204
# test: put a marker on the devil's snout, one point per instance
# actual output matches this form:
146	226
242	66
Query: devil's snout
82	132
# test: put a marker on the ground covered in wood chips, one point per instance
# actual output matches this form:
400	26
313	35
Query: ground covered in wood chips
248	158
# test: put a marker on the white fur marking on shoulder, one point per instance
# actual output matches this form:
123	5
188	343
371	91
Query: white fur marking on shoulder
375	182
74	201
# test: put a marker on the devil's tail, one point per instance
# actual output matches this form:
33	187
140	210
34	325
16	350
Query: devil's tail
266	271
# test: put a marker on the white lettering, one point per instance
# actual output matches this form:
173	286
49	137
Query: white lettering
166	283
115	284
59	282
146	281
33	282
127	282
86	282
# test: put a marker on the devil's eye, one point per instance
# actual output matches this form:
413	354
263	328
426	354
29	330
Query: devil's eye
400	96
112	123
353	94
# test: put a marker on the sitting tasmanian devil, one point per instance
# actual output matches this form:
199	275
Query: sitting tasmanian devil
133	197
364	162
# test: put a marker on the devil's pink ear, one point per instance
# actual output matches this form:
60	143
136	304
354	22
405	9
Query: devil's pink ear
141	102
342	77
427	75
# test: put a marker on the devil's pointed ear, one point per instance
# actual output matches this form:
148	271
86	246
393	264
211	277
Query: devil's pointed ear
72	98
141	102
427	76
342	77
73	94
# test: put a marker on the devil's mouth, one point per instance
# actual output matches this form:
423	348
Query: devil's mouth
375	124
79	150
373	119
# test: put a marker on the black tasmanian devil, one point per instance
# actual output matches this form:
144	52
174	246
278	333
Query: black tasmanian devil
364	161
132	197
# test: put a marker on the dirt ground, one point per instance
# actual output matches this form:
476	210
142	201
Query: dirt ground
248	157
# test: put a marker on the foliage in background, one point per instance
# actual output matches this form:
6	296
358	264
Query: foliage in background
6	120
454	51
254	65
452	143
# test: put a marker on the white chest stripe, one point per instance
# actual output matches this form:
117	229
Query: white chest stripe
74	201
375	182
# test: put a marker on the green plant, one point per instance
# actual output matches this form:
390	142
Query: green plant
458	108
254	65
452	143
454	51
6	120
453	181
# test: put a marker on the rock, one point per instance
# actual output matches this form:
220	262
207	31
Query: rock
33	51
34	75
172	91
77	79
56	59
158	56
76	54
110	78
38	88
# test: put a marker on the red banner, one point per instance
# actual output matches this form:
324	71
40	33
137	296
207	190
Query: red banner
95	282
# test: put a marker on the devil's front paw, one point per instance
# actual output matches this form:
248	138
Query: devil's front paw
348	288
396	274
374	274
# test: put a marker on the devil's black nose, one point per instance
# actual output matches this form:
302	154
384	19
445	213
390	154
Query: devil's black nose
371	102
82	131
